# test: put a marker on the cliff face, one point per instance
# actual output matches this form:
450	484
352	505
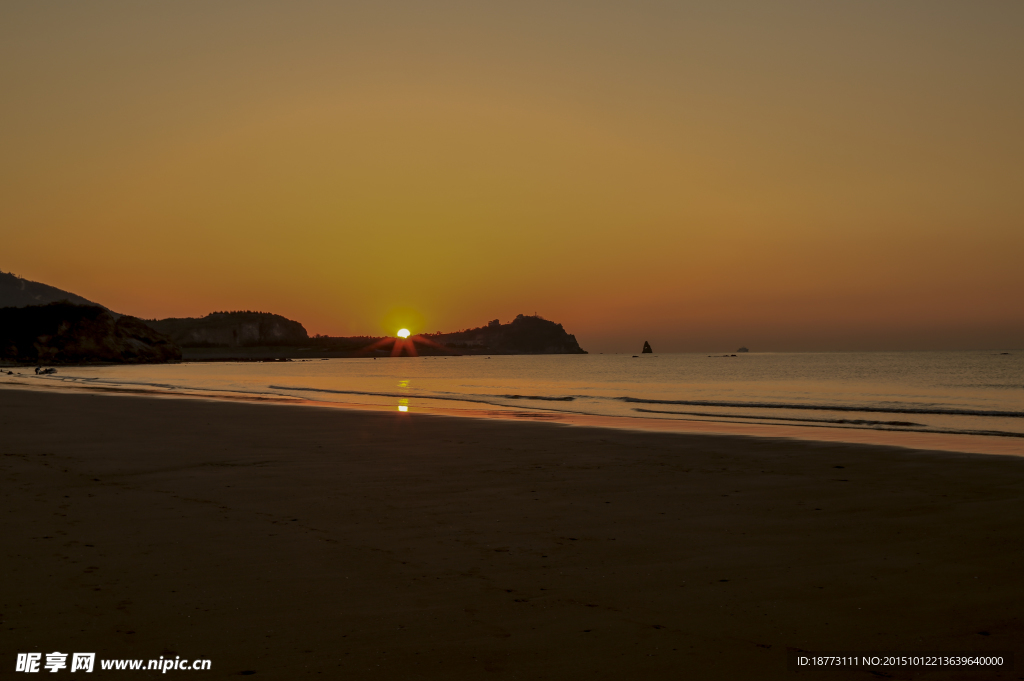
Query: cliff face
525	335
18	292
61	333
232	330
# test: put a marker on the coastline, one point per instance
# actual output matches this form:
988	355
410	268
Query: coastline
949	442
386	545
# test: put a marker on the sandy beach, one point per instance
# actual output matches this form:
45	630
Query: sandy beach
297	541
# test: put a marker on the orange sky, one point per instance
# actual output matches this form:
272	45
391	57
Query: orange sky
788	176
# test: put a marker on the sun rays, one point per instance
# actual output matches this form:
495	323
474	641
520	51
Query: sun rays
403	343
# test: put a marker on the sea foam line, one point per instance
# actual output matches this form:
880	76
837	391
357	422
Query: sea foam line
825	407
475	399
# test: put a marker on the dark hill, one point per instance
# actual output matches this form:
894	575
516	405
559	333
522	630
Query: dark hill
232	330
525	335
18	292
63	333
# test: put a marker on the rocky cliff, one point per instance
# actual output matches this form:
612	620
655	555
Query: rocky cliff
525	335
65	333
232	330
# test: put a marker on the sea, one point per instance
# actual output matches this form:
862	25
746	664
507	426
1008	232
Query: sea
964	401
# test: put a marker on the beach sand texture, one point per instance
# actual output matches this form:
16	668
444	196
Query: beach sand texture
313	542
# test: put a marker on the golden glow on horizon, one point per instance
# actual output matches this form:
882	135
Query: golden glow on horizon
402	407
403	333
701	175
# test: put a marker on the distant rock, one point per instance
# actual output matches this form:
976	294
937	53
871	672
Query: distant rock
232	330
647	348
743	350
65	333
18	292
524	335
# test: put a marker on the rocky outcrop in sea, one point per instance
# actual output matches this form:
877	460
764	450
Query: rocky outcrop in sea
524	335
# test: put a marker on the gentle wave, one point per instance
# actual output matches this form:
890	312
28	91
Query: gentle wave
468	397
471	398
538	397
365	392
828	407
853	424
859	422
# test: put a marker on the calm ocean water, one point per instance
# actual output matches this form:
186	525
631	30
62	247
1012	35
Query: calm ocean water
970	393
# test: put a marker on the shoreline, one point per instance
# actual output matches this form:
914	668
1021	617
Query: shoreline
383	545
951	442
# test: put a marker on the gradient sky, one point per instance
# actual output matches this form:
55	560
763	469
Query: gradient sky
783	175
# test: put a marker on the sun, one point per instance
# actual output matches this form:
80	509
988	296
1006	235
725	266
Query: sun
403	333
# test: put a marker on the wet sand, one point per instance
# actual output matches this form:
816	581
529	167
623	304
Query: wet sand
295	541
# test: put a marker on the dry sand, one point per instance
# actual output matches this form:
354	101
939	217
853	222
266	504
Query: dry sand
300	541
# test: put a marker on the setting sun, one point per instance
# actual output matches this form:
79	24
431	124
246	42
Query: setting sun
403	333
